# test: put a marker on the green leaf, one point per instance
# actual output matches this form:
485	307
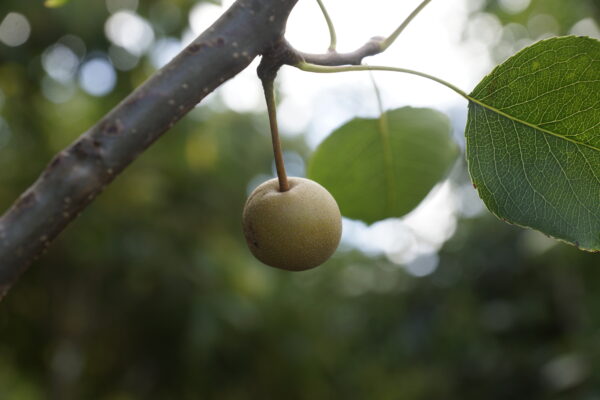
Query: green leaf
533	139
55	3
383	168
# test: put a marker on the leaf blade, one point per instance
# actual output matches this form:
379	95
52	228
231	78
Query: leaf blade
376	172
533	142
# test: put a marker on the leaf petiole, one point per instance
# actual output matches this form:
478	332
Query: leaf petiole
332	35
388	42
304	66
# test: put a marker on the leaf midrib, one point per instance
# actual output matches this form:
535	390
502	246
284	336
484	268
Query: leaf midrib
388	160
529	124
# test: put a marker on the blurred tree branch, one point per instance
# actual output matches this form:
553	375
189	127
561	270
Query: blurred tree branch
79	173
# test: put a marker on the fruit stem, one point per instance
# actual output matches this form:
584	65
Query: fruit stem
277	153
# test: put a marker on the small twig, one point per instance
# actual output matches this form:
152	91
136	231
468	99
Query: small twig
371	48
374	46
332	35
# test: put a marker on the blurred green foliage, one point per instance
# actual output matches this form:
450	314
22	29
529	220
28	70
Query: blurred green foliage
564	13
152	294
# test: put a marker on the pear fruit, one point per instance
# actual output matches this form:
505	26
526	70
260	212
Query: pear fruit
293	230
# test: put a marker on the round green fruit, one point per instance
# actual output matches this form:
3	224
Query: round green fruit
293	230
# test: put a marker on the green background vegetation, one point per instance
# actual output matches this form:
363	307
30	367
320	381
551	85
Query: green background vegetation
152	293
